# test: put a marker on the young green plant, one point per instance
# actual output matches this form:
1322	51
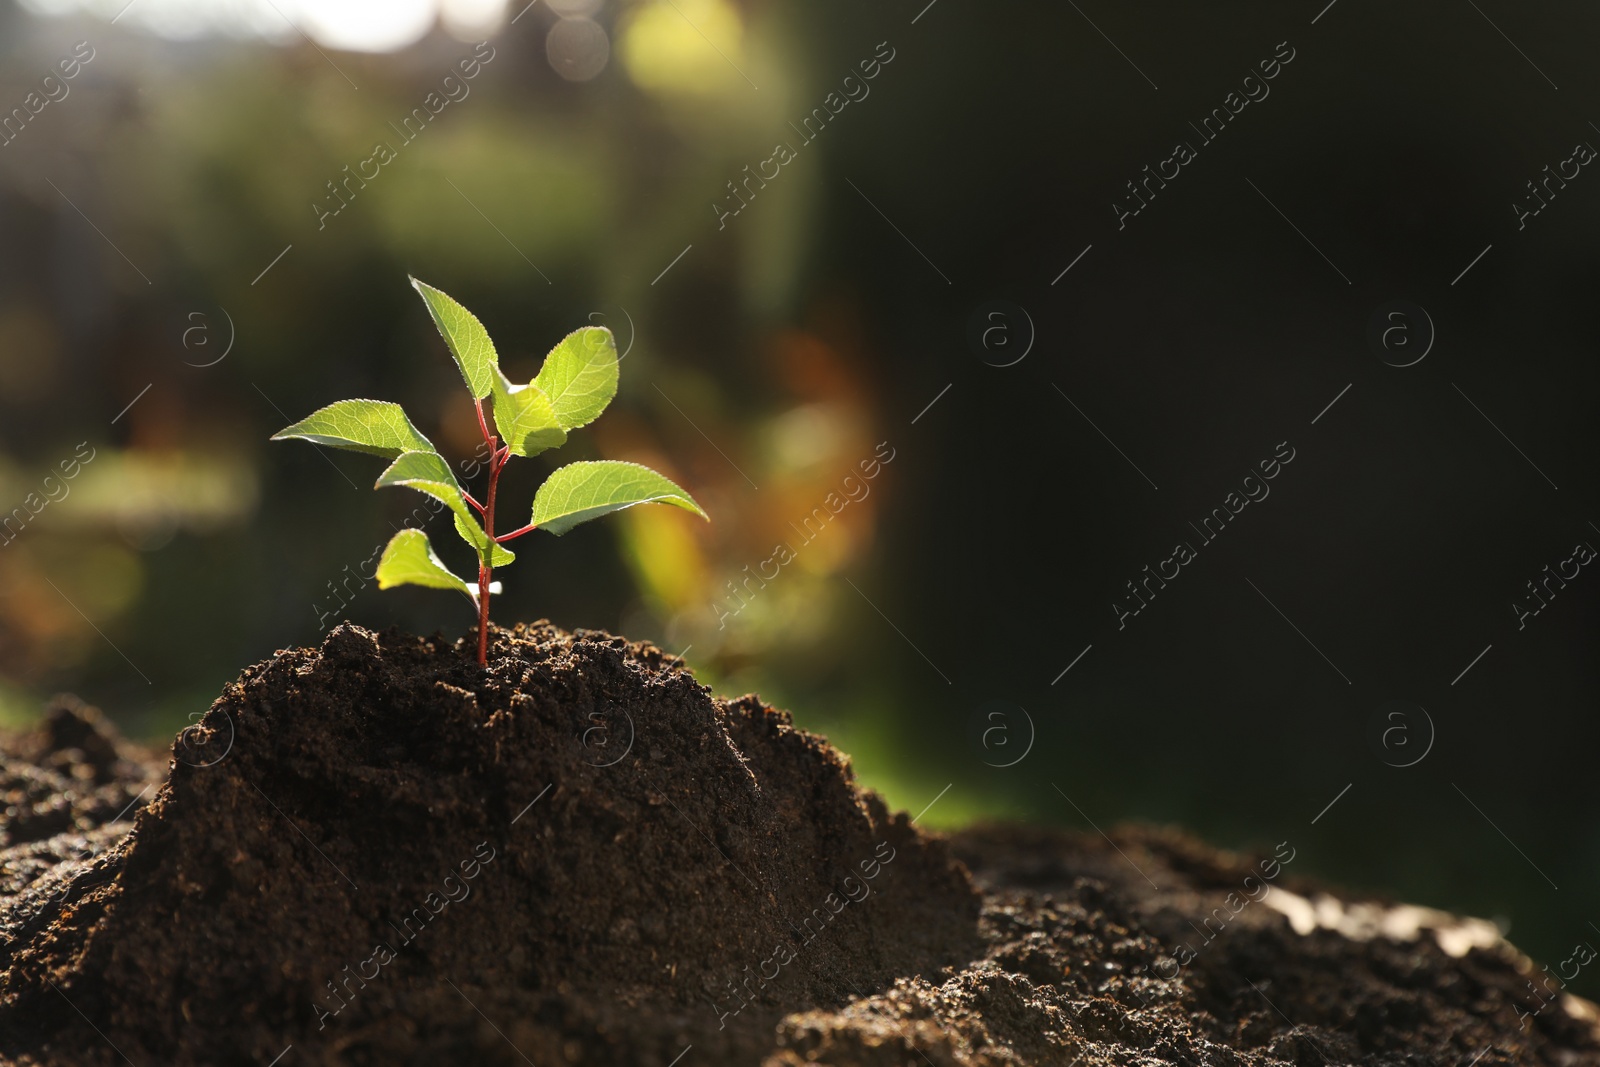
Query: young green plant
576	382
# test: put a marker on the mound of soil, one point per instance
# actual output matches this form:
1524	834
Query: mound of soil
378	852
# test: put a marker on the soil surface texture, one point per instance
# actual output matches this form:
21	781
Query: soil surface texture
378	852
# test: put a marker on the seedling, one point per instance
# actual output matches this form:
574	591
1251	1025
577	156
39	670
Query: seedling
577	381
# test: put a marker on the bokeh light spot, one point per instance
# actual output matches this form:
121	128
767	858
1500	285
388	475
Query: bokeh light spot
578	49
673	48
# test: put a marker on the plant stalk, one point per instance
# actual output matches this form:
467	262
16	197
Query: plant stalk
485	567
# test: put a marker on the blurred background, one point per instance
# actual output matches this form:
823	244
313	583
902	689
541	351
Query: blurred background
927	306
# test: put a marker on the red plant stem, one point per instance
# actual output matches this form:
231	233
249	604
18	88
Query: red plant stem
485	570
468	498
514	534
483	423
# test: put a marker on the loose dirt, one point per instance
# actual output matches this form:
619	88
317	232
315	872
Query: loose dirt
377	852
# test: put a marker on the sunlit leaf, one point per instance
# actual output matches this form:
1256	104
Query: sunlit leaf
525	418
587	490
427	472
580	376
409	560
466	338
376	427
473	535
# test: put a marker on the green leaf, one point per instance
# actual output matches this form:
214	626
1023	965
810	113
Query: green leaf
409	560
525	418
376	427
580	376
427	472
473	535
466	338
587	490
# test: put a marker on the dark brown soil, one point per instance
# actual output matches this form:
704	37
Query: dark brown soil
383	851
380	853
